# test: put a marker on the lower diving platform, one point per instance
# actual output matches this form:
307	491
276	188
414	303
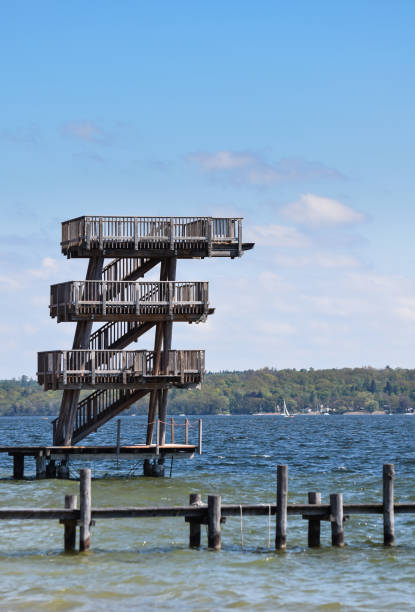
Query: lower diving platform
52	461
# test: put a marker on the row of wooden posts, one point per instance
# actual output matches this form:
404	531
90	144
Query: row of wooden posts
214	513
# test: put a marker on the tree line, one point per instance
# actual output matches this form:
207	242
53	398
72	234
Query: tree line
335	390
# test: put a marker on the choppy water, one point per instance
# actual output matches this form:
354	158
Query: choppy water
146	563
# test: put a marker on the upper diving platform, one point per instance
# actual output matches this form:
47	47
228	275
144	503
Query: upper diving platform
183	237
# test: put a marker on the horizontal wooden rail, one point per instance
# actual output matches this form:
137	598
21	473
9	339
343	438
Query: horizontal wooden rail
214	513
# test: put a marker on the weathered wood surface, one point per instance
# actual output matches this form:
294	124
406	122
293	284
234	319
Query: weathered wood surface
85	504
388	506
86	369
49	451
195	499
336	519
281	518
70	525
314	524
130	301
214	520
153	237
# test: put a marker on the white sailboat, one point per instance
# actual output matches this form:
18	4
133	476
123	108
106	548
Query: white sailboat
285	411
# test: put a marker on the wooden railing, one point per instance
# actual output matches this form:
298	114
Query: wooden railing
92	367
93	232
124	297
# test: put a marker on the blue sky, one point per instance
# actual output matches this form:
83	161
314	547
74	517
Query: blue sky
297	116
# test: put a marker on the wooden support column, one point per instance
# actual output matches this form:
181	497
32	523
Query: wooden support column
214	516
70	398
152	407
18	467
70	525
195	499
40	466
388	505
313	523
336	518
281	514
171	266
85	508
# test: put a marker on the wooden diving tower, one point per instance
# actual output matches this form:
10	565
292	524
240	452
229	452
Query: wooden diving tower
128	307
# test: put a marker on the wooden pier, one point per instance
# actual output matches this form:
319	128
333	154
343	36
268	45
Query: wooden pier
127	309
214	514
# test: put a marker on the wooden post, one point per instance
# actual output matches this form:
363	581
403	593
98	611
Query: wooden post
18	467
336	518
388	505
118	440
158	437
314	524
214	516
281	514
70	526
172	429
200	437
195	499
85	508
186	431
40	466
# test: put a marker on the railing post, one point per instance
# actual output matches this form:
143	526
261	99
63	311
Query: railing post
214	516
135	233
200	437
85	509
93	367
88	234
313	523
336	518
209	236
195	499
388	505
239	237
186	431
70	525
104	298
137	298
281	513
65	366
101	241
171	234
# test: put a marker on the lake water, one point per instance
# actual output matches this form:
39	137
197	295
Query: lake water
146	563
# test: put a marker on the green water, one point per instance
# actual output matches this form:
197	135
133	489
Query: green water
145	563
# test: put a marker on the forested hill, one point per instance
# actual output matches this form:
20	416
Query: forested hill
348	389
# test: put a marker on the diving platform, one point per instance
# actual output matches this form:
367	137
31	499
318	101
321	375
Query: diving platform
152	237
139	301
103	369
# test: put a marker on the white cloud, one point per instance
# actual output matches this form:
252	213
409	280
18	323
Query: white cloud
86	131
315	210
9	282
277	235
253	169
48	267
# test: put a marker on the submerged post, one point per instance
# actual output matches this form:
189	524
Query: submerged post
118	441
200	437
195	499
313	523
70	525
281	514
336	518
186	431
18	467
85	508
172	429
388	505
214	516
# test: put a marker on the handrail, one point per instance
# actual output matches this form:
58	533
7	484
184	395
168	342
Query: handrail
83	364
95	230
